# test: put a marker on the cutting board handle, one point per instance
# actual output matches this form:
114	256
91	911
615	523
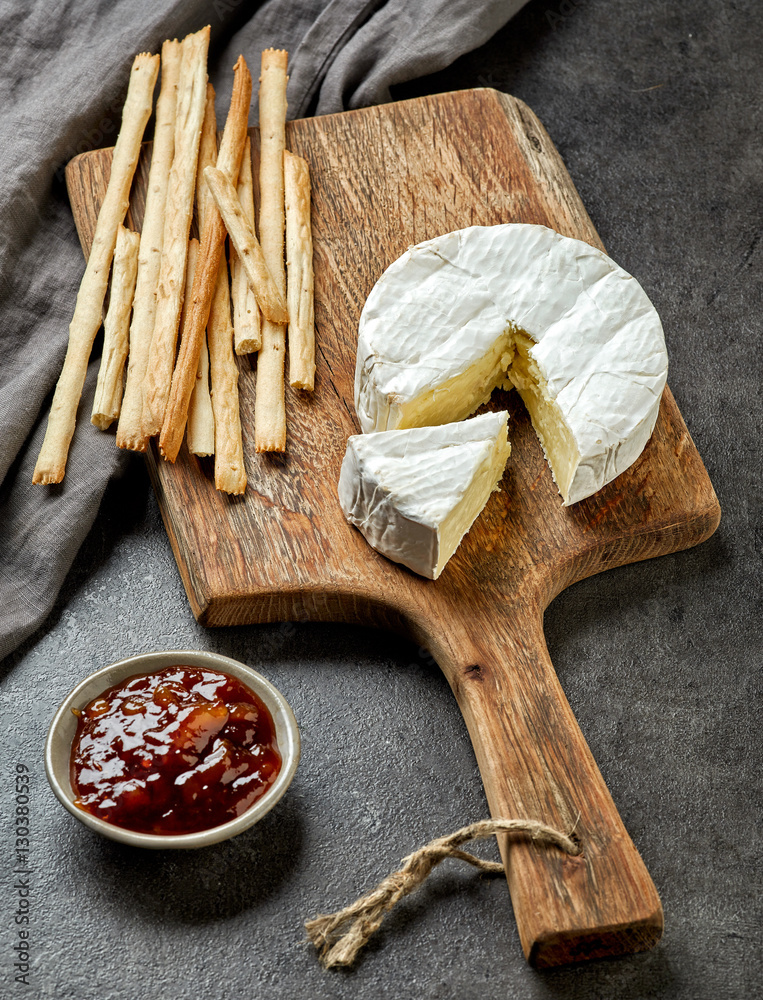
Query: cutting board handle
535	764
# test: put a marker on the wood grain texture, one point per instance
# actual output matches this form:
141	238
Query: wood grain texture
384	178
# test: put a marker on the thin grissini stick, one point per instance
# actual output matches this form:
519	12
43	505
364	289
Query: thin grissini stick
205	279
129	430
192	93
200	428
207	158
201	421
247	321
270	300
116	330
190	270
230	471
88	312
299	266
269	402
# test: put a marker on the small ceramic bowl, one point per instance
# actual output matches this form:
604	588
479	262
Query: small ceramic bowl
64	725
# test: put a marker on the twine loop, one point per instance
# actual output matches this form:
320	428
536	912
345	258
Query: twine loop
340	936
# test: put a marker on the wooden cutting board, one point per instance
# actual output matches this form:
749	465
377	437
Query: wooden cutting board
385	178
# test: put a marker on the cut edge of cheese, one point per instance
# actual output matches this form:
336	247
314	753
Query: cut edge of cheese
414	493
472	503
557	441
462	394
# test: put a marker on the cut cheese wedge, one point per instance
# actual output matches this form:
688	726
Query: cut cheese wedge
516	305
415	493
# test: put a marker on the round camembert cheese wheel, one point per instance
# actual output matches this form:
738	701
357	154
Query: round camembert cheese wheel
516	305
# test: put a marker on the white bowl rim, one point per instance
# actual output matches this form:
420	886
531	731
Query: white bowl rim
143	663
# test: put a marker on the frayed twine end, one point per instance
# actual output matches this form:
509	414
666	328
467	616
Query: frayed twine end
339	936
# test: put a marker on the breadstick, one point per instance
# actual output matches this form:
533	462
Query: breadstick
88	312
207	158
116	330
248	249
247	322
192	92
212	240
230	471
200	428
299	265
269	403
129	429
201	421
190	270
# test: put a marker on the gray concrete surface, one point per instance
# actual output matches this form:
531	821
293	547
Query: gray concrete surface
655	108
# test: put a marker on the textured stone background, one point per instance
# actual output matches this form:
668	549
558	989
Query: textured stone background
655	108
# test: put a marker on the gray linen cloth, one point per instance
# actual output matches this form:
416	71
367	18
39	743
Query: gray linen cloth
63	76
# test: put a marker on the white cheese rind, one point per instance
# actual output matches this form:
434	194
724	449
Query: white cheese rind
598	341
402	488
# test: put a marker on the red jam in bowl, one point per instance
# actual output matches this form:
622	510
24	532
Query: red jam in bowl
177	751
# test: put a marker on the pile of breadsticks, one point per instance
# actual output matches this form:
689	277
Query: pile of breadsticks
174	309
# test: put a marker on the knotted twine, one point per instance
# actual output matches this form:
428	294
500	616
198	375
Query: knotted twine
339	936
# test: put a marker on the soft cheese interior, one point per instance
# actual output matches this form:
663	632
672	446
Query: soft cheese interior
555	436
415	493
460	395
487	475
516	304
